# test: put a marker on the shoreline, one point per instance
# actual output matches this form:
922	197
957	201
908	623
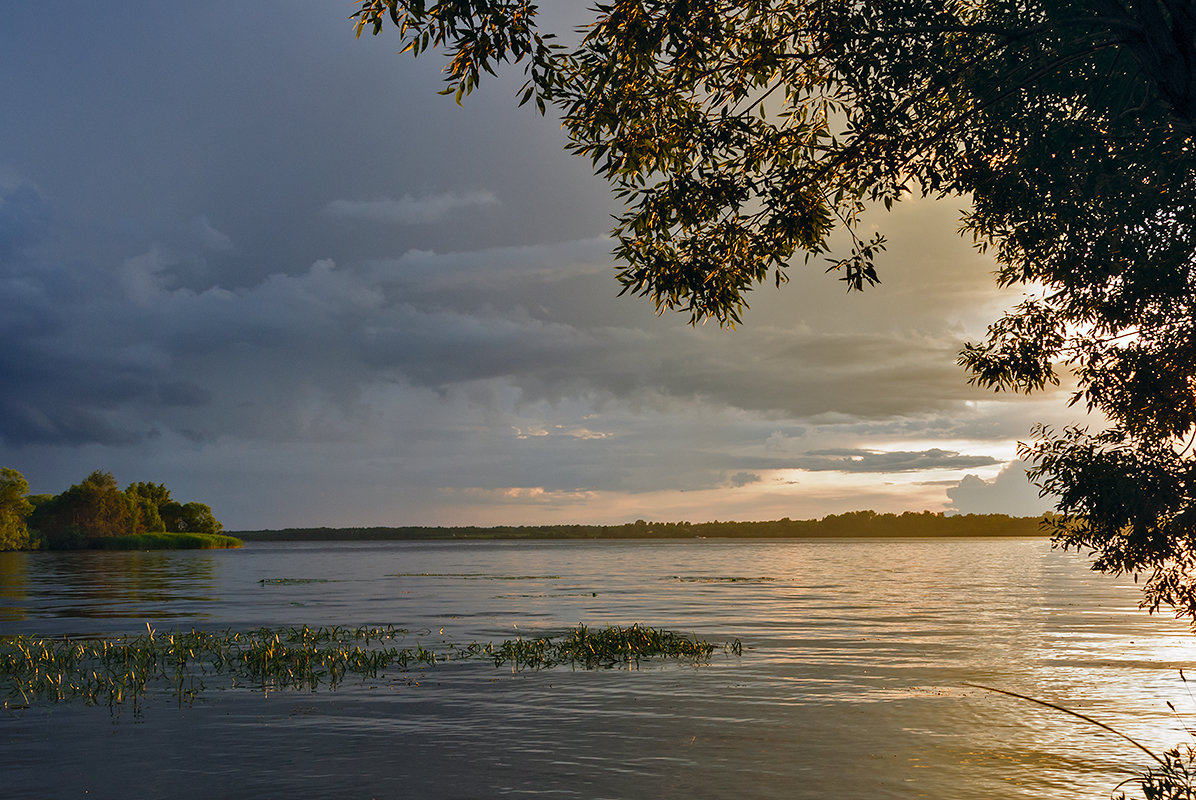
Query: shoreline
852	525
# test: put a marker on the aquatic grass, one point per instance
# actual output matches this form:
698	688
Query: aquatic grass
169	541
544	595
719	579
112	671
1173	779
291	581
121	670
483	576
608	647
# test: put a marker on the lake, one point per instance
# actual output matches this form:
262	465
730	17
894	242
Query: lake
850	684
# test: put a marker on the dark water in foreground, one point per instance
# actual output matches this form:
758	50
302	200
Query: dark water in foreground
850	684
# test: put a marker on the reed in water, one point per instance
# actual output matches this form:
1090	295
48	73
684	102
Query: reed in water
113	671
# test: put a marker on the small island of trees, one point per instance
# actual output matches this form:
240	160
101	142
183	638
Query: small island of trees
96	513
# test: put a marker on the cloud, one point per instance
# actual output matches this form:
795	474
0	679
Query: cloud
25	218
741	479
201	231
26	424
863	461
294	354
409	210
524	495
853	460
1009	493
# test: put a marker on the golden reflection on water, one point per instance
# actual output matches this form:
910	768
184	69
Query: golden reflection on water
99	585
13	585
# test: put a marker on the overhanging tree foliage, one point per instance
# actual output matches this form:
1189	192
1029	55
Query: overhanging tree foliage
740	135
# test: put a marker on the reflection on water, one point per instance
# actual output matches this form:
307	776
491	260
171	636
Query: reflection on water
852	683
13	591
83	585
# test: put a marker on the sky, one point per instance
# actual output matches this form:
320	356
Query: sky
252	257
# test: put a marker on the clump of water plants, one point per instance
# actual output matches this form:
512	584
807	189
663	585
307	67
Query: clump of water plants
291	581
720	579
478	576
1173	779
113	671
608	647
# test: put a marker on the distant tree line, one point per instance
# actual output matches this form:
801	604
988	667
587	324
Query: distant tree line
91	511
851	524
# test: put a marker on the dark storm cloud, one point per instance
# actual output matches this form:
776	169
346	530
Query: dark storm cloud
183	393
65	423
127	343
25	219
548	318
408	210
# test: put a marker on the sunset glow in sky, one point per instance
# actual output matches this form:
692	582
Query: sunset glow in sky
249	256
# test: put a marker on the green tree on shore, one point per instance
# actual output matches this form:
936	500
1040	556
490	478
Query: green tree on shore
14	509
189	518
96	509
148	500
741	135
92	509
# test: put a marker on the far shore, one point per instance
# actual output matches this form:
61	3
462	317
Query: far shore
862	524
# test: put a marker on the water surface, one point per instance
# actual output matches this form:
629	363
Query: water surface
851	683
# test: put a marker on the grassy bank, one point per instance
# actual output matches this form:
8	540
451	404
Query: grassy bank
168	541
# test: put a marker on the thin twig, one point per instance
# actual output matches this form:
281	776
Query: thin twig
1077	714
